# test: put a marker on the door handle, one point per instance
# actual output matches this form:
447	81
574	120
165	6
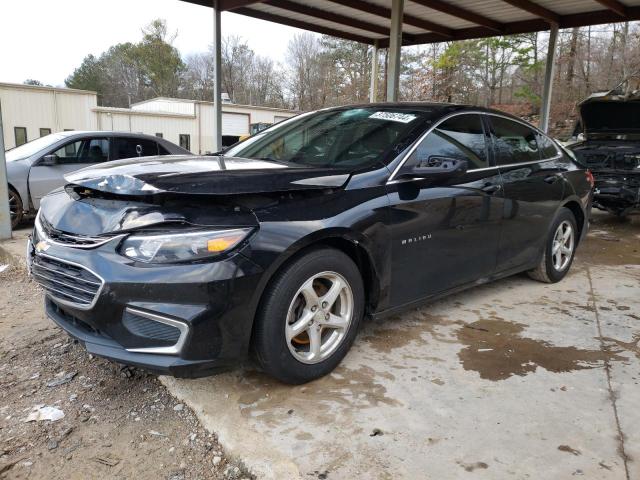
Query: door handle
552	178
491	188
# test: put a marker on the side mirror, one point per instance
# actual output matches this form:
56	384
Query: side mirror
49	160
436	168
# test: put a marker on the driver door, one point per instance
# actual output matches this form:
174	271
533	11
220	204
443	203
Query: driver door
74	155
445	231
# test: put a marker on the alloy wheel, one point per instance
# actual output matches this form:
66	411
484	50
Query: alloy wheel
13	205
319	317
562	247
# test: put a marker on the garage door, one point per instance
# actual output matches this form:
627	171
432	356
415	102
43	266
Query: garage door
235	124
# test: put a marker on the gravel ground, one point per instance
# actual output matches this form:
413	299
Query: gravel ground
118	422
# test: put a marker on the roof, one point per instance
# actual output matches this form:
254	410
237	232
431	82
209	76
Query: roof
441	107
224	104
430	21
46	88
105	133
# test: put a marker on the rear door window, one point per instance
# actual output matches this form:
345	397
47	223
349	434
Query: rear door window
513	142
162	150
124	147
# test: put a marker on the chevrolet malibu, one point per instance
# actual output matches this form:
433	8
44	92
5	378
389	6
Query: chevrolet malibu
280	246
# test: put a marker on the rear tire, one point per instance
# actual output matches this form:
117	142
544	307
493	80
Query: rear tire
16	208
559	250
309	316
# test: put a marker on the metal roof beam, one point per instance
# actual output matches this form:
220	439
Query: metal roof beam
233	4
440	30
270	17
462	13
329	16
614	5
535	9
527	26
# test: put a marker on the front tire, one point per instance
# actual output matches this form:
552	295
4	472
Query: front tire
559	250
16	208
309	316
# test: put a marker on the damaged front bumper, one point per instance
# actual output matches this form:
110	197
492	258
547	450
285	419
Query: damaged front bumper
185	320
618	193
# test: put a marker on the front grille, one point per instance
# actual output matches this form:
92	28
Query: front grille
144	327
64	281
47	231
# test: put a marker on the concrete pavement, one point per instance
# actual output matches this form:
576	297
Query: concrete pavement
515	379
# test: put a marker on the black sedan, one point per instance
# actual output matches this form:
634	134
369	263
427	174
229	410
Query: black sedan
279	247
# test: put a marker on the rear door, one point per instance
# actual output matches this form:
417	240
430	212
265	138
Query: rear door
445	234
74	155
533	189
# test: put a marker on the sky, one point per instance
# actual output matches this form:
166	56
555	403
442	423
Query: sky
46	40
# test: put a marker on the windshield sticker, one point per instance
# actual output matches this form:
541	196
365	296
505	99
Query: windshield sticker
394	116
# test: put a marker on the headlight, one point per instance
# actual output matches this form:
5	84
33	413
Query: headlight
181	247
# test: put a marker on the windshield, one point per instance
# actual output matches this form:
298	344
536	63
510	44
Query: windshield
34	146
350	139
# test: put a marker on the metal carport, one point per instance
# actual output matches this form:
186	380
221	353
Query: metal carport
395	23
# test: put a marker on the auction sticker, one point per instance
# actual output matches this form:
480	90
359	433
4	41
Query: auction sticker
394	116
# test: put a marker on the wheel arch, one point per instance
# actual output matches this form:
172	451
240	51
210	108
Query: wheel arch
15	190
354	244
578	212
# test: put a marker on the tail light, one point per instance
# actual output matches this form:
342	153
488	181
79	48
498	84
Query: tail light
590	179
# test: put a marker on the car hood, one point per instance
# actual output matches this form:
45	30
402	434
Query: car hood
610	115
213	175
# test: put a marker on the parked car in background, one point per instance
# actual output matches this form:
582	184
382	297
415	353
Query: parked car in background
39	166
610	148
184	265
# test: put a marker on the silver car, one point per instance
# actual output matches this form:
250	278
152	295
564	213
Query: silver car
39	166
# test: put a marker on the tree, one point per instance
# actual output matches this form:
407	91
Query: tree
31	81
308	83
130	72
350	64
198	77
246	77
88	76
159	61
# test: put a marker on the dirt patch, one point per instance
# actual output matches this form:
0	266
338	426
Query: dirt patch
568	449
118	422
496	350
413	328
632	346
272	402
470	467
611	241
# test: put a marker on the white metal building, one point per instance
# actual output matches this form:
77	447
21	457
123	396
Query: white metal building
30	112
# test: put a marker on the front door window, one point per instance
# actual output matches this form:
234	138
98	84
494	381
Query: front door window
89	150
